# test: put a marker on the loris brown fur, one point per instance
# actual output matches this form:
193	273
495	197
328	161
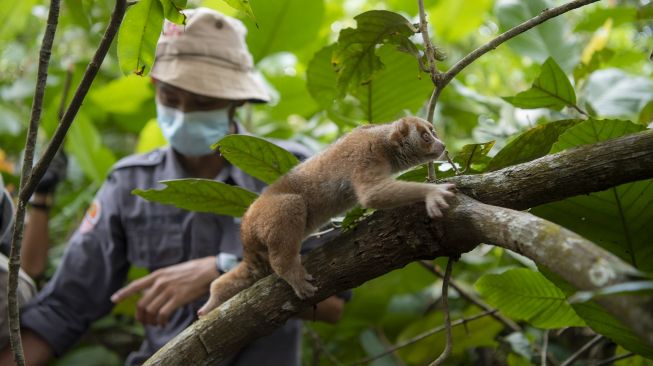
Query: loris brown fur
358	168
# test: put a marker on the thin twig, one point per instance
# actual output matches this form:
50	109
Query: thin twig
421	336
511	33
28	159
611	360
582	350
473	299
78	98
428	46
577	108
319	345
545	345
447	317
386	343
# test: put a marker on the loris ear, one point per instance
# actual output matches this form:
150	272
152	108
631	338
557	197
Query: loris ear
402	129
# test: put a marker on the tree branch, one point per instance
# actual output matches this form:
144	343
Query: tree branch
390	239
584	169
68	117
30	177
30	144
511	33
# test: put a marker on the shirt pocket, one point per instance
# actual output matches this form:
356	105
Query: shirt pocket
154	246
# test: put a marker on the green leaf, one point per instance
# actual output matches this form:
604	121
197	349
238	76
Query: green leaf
284	25
150	137
603	322
454	20
257	157
399	88
597	16
552	38
532	144
172	11
618	219
527	295
242	6
85	145
551	89
201	195
14	17
480	332
293	98
635	287
138	35
614	93
321	77
355	58
473	154
123	95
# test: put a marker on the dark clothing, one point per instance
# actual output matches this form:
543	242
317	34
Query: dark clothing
122	230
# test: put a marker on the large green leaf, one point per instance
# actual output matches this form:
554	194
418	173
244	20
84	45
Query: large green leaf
123	95
138	35
551	89
284	25
355	58
525	294
85	145
454	20
201	195
614	93
257	157
601	321
532	144
321	77
550	39
619	219
397	88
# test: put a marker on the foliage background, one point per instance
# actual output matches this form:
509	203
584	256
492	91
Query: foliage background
603	48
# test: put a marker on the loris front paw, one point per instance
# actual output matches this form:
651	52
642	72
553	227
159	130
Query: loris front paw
436	199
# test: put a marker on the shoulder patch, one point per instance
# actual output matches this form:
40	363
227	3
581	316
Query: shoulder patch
151	158
92	217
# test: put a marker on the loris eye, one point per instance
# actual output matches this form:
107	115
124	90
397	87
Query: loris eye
427	137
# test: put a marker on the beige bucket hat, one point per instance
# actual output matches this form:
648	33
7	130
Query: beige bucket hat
208	56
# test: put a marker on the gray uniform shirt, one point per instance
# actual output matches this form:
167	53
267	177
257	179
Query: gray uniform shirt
120	230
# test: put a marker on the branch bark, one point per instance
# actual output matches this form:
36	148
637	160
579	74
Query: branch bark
391	239
30	177
28	159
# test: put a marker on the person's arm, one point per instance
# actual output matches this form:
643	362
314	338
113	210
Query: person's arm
328	310
94	265
169	288
36	350
34	249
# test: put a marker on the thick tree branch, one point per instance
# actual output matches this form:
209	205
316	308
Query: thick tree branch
585	169
391	239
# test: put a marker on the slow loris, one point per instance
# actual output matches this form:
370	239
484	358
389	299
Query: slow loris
358	168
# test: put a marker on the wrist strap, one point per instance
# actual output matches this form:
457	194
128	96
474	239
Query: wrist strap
224	262
39	206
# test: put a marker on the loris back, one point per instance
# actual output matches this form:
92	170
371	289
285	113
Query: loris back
357	168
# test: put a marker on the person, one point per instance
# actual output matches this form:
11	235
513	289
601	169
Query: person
26	287
203	72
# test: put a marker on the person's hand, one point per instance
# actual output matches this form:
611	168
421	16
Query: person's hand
167	289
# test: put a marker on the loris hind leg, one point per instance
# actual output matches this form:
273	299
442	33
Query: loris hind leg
227	286
283	239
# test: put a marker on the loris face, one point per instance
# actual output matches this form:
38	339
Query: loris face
417	140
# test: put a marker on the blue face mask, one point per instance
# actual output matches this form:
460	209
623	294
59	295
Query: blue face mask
192	133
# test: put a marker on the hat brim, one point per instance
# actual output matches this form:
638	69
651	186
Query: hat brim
220	82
